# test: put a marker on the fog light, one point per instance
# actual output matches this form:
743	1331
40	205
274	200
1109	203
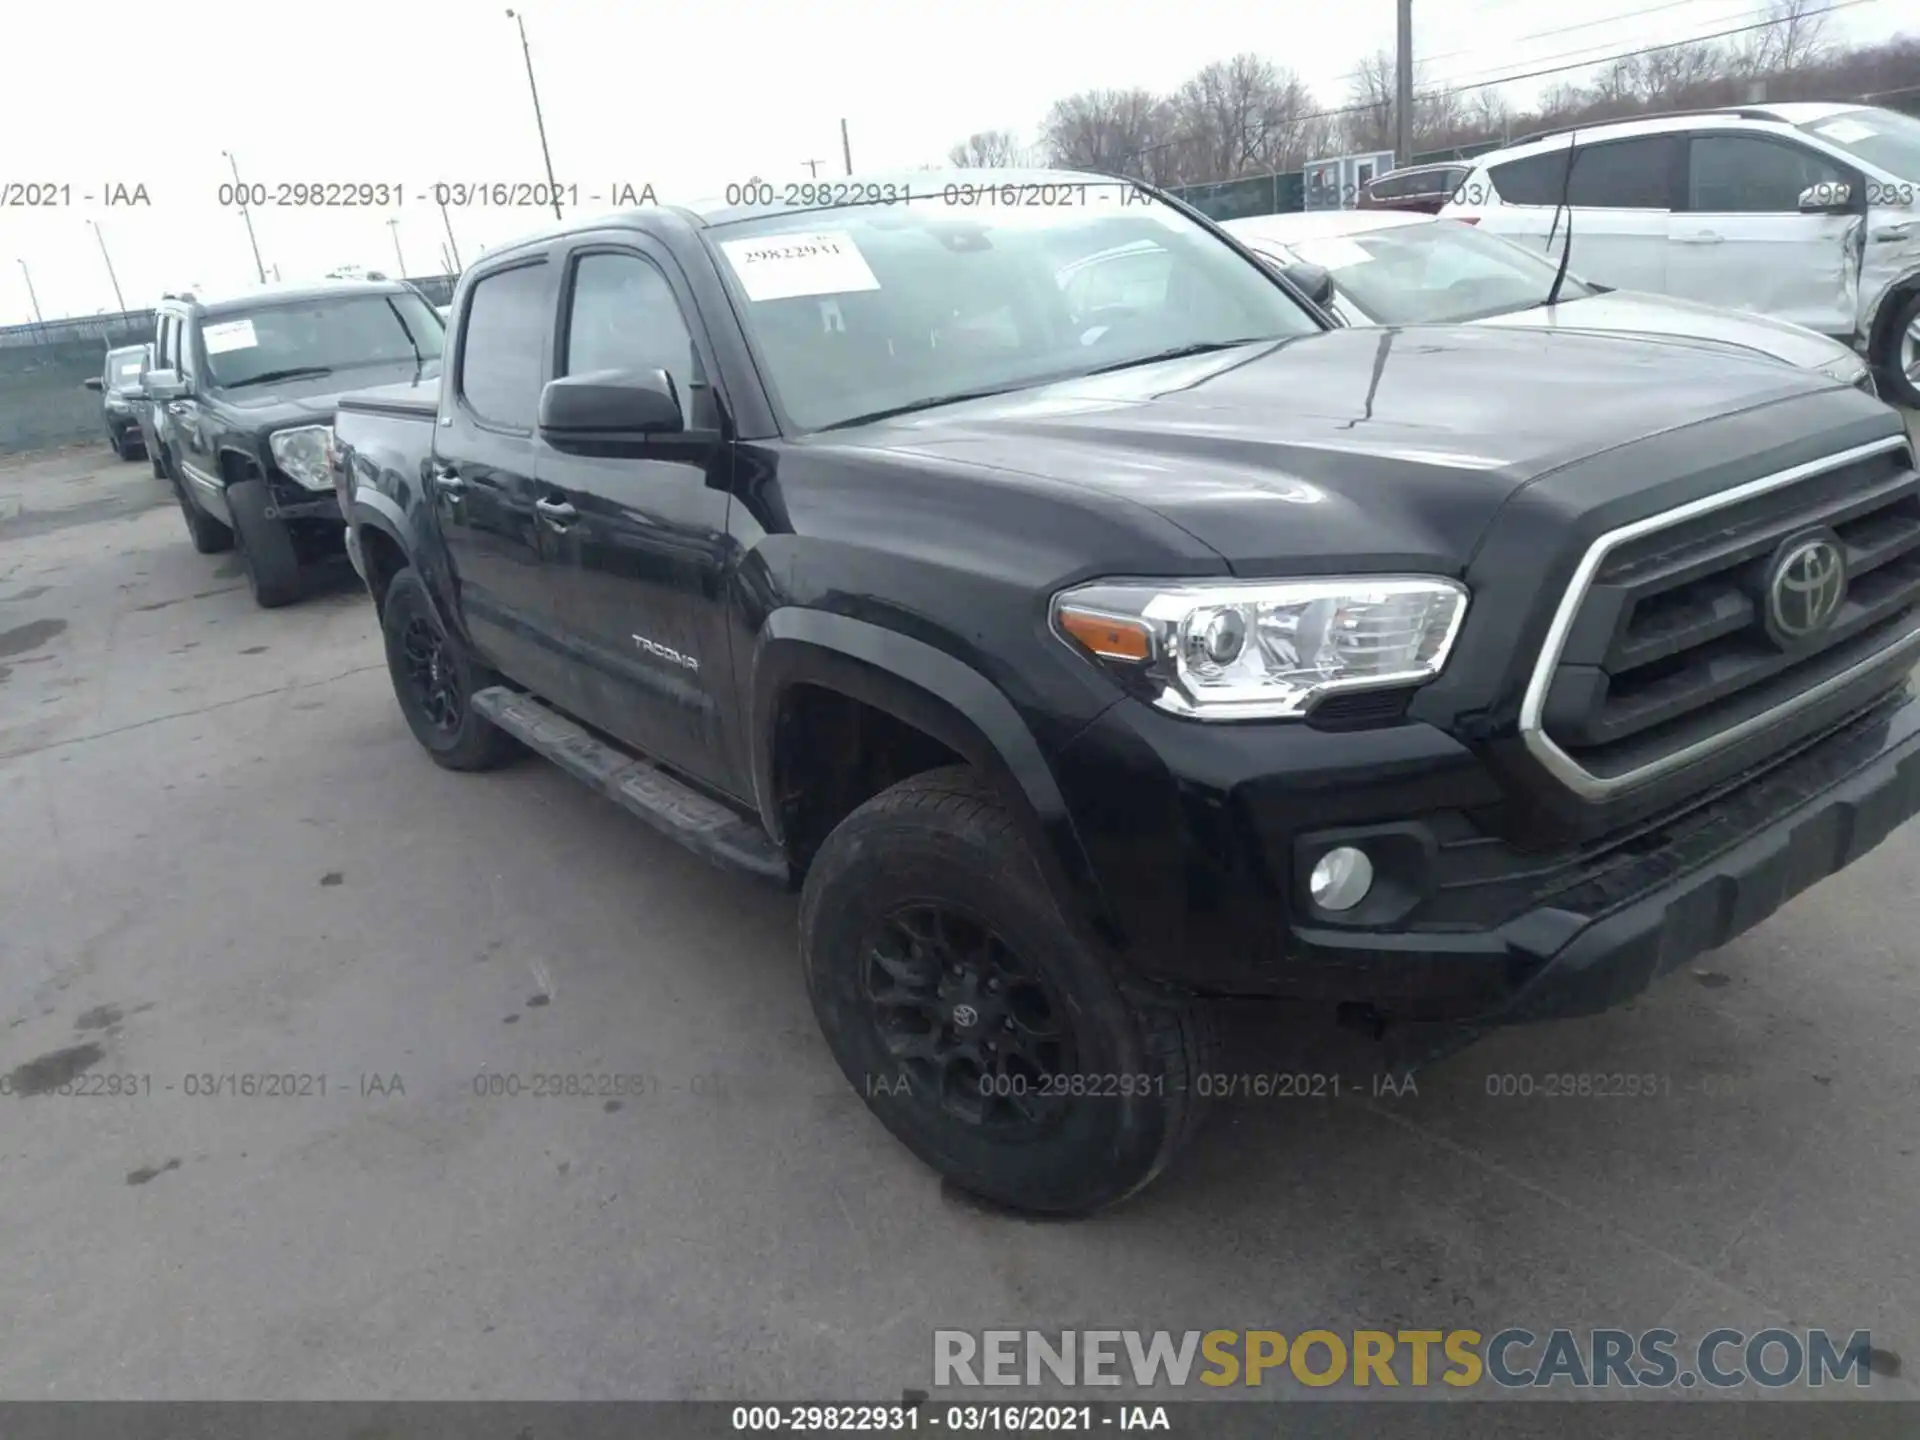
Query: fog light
1341	879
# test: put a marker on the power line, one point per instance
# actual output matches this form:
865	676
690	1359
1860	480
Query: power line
1584	25
1485	79
1457	89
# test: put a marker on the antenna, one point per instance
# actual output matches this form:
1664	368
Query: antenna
1566	251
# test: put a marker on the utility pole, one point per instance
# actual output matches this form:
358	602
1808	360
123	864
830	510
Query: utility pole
452	245
38	317
109	259
813	167
527	51
1403	86
246	213
393	224
846	150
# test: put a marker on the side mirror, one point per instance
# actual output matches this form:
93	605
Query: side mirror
92	382
1316	281
1827	196
164	385
610	405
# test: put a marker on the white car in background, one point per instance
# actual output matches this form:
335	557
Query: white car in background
1391	267
1805	212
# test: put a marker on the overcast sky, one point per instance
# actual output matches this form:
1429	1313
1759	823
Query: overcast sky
683	97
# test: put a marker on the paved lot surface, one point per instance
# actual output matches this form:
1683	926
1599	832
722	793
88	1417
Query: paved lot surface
223	853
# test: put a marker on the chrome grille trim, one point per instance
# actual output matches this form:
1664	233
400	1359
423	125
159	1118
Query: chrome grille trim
1584	782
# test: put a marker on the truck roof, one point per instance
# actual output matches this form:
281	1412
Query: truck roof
838	193
254	296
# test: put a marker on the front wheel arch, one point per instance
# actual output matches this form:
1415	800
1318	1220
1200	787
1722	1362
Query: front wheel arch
950	702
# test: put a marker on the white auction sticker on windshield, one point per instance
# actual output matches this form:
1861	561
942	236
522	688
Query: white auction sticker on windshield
1335	252
783	267
1845	132
129	367
229	335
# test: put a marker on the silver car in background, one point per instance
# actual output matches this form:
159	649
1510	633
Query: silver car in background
1402	268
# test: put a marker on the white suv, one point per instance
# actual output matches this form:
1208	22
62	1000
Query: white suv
1804	212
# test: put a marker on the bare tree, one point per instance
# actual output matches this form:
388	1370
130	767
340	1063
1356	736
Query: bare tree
988	150
1118	131
1368	123
1242	116
1795	37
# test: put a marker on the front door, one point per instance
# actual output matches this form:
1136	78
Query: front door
644	533
482	475
192	428
1741	240
1620	194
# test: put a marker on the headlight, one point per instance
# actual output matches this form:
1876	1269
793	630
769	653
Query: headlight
1236	650
302	455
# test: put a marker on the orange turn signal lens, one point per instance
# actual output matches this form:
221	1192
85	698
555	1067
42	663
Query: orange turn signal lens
1106	636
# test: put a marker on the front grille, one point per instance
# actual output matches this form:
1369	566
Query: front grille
1669	646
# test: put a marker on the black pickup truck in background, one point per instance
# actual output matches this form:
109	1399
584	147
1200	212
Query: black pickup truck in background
1094	635
242	399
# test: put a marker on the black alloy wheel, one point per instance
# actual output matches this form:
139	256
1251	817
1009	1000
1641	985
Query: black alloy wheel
974	1025
432	675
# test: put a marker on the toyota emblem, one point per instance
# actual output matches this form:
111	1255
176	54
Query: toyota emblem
1806	588
965	1016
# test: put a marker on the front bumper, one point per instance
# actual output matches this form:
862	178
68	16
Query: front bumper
1480	929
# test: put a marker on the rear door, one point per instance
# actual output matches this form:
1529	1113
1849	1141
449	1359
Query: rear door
1740	240
1620	193
482	473
644	534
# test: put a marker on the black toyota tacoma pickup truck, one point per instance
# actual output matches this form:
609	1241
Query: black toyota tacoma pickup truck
1094	635
243	390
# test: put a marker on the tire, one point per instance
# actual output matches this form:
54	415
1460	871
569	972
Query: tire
209	536
267	555
159	465
1898	383
458	737
118	441
938	852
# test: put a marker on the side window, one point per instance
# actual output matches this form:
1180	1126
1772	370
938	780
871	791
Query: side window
163	343
1733	174
623	316
183	338
1533	181
1624	174
500	348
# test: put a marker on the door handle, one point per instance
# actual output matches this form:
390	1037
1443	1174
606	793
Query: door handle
176	407
1705	237
559	512
1893	232
448	482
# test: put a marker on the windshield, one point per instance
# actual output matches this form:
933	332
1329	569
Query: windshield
1434	274
1884	138
863	309
124	367
334	332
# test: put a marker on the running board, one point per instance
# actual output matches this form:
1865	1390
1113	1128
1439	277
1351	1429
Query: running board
675	809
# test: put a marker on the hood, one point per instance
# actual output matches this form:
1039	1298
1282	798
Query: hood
315	398
1661	316
1396	445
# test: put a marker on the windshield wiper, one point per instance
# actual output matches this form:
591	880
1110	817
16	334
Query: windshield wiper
931	402
1181	352
294	372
